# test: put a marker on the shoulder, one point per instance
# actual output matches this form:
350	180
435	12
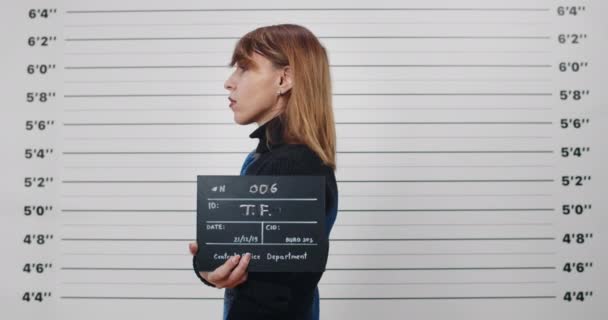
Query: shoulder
297	152
295	159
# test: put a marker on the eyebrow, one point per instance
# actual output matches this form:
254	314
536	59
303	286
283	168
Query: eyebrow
249	63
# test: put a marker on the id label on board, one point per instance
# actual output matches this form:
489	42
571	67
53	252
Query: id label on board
280	220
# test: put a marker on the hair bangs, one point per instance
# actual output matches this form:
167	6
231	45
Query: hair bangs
242	53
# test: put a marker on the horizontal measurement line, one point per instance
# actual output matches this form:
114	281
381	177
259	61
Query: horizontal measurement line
347	240
434	224
321	283
443	254
444	298
322	298
320	37
340	181
331	66
123	239
331	23
325	23
460	80
341	210
138	298
128	181
150	152
126	210
339	138
376	138
337	123
384	22
447	239
434	195
188	225
125	269
130	283
198	52
338	152
133	95
327	269
397	283
447	268
478	180
309	9
446	210
342	166
438	195
331	254
451	151
221	109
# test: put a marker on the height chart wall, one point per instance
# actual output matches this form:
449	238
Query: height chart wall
471	138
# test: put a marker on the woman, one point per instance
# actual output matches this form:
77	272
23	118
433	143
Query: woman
282	83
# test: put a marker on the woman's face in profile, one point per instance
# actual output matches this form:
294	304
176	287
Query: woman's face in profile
254	91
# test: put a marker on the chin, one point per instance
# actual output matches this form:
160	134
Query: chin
241	120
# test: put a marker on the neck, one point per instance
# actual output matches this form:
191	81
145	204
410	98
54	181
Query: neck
267	118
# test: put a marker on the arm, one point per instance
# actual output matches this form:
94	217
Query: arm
279	295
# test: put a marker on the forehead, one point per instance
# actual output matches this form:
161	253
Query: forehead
255	61
259	59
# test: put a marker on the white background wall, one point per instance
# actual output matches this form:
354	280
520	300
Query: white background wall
450	166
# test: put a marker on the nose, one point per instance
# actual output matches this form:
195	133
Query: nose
228	85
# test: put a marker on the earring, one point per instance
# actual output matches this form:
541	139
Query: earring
280	92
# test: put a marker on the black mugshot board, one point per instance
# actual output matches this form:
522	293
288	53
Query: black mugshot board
280	220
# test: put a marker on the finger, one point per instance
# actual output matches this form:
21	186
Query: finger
193	248
238	273
222	272
205	275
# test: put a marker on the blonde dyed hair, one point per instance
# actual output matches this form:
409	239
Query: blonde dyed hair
308	117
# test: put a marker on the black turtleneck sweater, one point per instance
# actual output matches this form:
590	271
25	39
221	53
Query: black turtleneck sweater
280	295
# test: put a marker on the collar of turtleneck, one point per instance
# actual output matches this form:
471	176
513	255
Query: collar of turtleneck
272	128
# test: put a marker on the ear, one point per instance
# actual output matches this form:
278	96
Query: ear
286	79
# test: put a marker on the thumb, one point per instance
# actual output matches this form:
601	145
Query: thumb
193	246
